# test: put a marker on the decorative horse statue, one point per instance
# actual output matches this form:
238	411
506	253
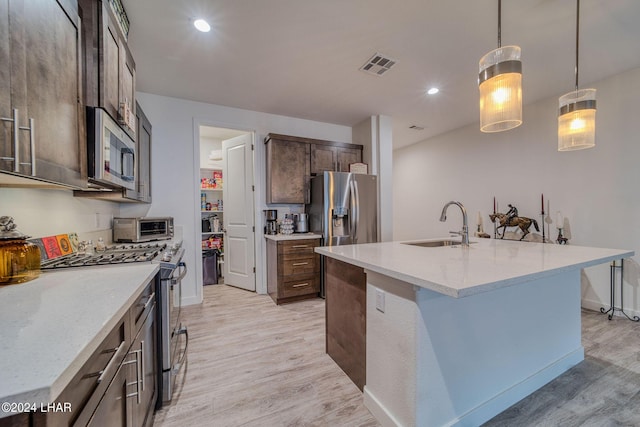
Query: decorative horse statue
519	221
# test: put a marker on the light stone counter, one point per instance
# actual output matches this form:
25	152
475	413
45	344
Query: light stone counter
52	325
294	236
455	335
486	265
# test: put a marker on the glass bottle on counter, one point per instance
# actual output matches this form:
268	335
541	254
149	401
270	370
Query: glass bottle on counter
19	259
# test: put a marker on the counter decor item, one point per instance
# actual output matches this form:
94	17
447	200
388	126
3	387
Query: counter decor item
561	240
286	226
544	239
511	219
480	230
19	259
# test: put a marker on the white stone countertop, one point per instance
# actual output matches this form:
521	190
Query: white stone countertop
52	325
487	264
294	236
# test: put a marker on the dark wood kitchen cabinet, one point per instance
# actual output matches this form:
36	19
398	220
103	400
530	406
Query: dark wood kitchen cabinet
292	160
287	169
325	157
42	132
293	269
142	192
110	71
117	385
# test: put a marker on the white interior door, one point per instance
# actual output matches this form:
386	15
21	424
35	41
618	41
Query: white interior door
238	223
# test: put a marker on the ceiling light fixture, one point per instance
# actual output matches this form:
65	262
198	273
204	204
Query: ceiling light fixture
500	83
202	25
433	91
577	114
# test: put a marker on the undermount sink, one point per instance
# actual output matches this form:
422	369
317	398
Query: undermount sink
435	243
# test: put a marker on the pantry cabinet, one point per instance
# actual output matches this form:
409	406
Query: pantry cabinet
42	133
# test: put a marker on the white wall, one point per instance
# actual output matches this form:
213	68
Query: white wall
375	134
40	213
597	190
174	162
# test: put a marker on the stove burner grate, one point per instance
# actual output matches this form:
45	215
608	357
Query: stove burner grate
117	254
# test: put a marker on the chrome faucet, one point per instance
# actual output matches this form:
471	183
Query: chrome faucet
465	228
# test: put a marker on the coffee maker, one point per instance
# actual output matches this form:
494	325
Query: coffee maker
271	221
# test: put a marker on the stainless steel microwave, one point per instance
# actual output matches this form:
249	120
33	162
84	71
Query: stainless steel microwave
111	152
142	229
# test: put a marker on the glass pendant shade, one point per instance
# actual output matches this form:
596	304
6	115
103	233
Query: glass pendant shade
500	84
577	120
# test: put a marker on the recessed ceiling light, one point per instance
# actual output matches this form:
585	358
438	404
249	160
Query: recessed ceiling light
433	91
202	25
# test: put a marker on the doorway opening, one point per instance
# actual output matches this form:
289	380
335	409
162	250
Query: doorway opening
226	207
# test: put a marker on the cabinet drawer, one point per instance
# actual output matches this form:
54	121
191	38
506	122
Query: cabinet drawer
94	377
298	247
300	265
301	285
141	307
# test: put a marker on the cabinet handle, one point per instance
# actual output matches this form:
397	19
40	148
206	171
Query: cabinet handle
142	371
146	304
137	381
299	246
300	285
116	353
300	263
32	144
16	145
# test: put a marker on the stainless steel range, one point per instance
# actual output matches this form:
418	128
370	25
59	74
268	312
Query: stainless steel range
173	337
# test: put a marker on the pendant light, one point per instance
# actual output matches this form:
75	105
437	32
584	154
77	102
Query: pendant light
500	83
577	114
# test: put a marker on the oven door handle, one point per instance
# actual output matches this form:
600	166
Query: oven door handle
182	274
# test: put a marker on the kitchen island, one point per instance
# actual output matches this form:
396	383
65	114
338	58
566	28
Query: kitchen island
456	335
52	325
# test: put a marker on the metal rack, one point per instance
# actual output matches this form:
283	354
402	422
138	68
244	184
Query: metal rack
613	308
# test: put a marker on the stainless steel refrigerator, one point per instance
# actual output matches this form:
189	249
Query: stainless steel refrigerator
344	209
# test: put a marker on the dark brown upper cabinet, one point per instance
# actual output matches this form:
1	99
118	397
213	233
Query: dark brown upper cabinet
42	131
292	160
287	170
333	158
110	71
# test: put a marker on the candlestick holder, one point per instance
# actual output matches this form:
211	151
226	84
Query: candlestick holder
561	240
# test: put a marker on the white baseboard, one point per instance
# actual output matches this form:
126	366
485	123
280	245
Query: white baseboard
190	300
517	392
493	406
378	411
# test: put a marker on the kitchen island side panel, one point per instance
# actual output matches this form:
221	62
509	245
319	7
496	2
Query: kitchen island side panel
472	357
346	318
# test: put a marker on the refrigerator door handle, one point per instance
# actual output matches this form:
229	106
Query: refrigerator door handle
355	210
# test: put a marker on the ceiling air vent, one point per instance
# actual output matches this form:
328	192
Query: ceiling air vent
414	127
378	64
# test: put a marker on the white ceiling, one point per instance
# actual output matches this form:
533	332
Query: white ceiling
301	58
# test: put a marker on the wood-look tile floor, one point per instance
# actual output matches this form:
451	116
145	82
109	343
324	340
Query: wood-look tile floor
252	363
